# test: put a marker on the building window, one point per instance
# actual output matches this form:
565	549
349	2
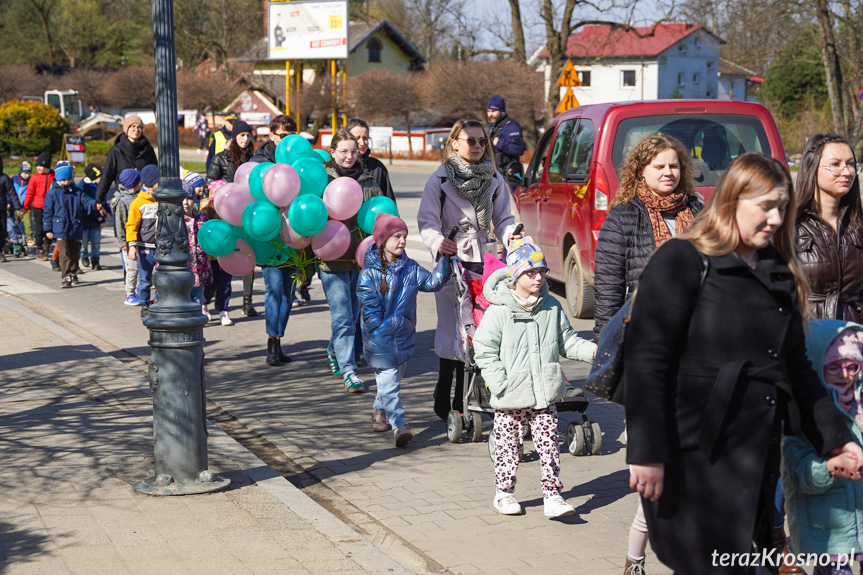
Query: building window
697	42
696	77
710	65
584	78
374	47
681	79
628	77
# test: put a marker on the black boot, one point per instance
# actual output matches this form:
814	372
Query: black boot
282	357
273	351
96	266
85	261
248	309
55	265
443	388
458	397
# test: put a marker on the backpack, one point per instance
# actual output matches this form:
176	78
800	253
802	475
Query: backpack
606	376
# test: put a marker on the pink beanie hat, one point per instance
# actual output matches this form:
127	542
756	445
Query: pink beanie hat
385	226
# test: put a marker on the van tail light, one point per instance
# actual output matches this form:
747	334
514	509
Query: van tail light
600	199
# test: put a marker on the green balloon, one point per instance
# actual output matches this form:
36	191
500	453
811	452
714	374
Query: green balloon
371	208
313	176
323	155
292	148
217	238
256	181
262	221
307	215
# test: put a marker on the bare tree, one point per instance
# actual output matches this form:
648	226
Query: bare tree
200	91
44	9
388	95
132	87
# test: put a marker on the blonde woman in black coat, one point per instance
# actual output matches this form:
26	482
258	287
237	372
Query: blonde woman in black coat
714	371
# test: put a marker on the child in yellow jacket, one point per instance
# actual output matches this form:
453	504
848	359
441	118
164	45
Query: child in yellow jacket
141	233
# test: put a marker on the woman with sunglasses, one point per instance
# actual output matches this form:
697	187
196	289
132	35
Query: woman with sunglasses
830	228
467	193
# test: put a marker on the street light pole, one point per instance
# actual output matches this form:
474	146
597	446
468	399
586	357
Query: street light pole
176	323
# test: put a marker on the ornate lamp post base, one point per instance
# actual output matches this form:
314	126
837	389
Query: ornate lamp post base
207	482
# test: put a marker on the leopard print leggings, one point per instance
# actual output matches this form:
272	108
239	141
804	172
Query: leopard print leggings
508	426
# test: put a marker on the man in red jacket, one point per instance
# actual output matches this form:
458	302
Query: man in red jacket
34	199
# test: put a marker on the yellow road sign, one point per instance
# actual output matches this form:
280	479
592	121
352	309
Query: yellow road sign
568	101
569	77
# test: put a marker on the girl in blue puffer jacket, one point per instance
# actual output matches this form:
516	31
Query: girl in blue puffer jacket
825	512
387	291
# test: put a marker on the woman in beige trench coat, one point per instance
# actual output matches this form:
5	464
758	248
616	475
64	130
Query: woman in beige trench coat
465	192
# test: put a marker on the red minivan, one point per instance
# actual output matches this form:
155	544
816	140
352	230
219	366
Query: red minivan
573	175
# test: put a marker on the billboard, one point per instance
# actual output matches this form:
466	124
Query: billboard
308	30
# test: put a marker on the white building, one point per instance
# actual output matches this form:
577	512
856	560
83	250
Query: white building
676	61
737	82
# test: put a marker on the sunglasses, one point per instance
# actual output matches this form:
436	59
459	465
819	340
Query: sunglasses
838	367
541	272
473	141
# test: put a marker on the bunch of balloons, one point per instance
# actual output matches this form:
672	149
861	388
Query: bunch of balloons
272	210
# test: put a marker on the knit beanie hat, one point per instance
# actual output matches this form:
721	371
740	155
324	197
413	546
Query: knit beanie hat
847	346
524	255
44	160
129	178
496	103
240	127
93	171
130	121
385	226
192	181
215	185
150	175
66	172
25	167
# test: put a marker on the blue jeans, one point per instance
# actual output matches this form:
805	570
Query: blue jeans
388	382
197	295
12	228
91	243
278	297
340	289
146	263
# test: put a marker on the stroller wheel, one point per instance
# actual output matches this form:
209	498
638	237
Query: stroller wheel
575	439
453	426
474	427
592	438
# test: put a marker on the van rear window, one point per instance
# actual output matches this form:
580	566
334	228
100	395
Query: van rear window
713	140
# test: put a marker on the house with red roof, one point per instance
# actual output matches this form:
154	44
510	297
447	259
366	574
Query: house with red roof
669	60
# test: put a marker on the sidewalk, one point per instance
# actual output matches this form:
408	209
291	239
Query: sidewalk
76	431
426	507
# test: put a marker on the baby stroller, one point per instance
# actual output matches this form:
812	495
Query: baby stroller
581	438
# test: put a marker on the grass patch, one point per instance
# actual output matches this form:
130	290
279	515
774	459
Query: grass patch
200	167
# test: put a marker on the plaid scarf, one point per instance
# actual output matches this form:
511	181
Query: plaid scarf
676	203
473	183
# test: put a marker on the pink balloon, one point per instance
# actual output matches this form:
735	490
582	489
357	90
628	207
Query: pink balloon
230	201
291	238
362	249
281	184
343	198
240	262
241	176
332	242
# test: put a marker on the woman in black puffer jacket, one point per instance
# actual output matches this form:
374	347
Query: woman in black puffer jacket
131	149
238	151
656	201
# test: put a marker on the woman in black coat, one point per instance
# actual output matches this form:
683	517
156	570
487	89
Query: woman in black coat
131	149
715	369
655	202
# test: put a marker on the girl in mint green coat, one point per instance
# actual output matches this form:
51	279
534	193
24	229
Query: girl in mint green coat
825	513
518	346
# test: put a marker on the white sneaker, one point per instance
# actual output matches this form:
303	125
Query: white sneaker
206	312
506	503
555	506
223	316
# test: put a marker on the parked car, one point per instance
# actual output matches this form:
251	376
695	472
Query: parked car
574	173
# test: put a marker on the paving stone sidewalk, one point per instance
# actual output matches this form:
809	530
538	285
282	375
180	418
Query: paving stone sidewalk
76	431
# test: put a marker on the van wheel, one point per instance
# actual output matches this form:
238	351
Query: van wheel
579	292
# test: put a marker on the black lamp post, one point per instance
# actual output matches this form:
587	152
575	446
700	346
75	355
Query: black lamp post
175	322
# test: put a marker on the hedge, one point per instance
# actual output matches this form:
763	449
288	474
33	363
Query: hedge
29	128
